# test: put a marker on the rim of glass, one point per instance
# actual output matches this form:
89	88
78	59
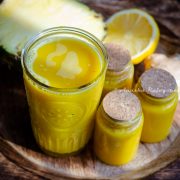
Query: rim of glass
67	30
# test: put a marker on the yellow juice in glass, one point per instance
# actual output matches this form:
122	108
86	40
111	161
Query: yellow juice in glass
64	71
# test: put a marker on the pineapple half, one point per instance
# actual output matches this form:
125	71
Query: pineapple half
21	19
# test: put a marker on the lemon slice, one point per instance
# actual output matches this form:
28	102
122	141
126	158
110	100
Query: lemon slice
134	29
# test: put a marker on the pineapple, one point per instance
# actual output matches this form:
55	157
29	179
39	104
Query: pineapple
21	19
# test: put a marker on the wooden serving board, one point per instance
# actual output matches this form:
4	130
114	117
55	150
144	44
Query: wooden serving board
18	144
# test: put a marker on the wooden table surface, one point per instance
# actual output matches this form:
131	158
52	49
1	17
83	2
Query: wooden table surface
9	170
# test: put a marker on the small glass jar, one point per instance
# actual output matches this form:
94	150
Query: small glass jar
157	91
120	72
118	127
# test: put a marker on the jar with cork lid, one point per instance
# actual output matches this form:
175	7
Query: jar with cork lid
157	91
120	72
118	127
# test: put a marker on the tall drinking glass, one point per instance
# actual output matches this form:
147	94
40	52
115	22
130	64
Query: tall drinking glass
62	119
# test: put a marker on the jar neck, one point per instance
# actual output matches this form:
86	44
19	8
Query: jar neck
151	99
120	74
116	124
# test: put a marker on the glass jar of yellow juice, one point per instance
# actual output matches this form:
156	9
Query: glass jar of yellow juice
64	71
120	71
118	127
157	91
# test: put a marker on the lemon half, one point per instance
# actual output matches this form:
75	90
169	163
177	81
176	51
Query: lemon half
134	29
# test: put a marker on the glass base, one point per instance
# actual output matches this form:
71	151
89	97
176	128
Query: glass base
55	154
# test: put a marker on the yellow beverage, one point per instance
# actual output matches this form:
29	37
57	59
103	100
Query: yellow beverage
64	70
116	139
157	91
158	119
66	63
116	147
120	71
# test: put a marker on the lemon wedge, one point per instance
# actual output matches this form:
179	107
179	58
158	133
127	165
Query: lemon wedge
134	29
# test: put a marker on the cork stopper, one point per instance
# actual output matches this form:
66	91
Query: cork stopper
121	105
119	57
158	83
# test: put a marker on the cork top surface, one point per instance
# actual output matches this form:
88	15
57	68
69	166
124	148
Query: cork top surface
121	105
119	57
158	83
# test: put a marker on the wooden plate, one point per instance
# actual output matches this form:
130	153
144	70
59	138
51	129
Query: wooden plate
18	144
